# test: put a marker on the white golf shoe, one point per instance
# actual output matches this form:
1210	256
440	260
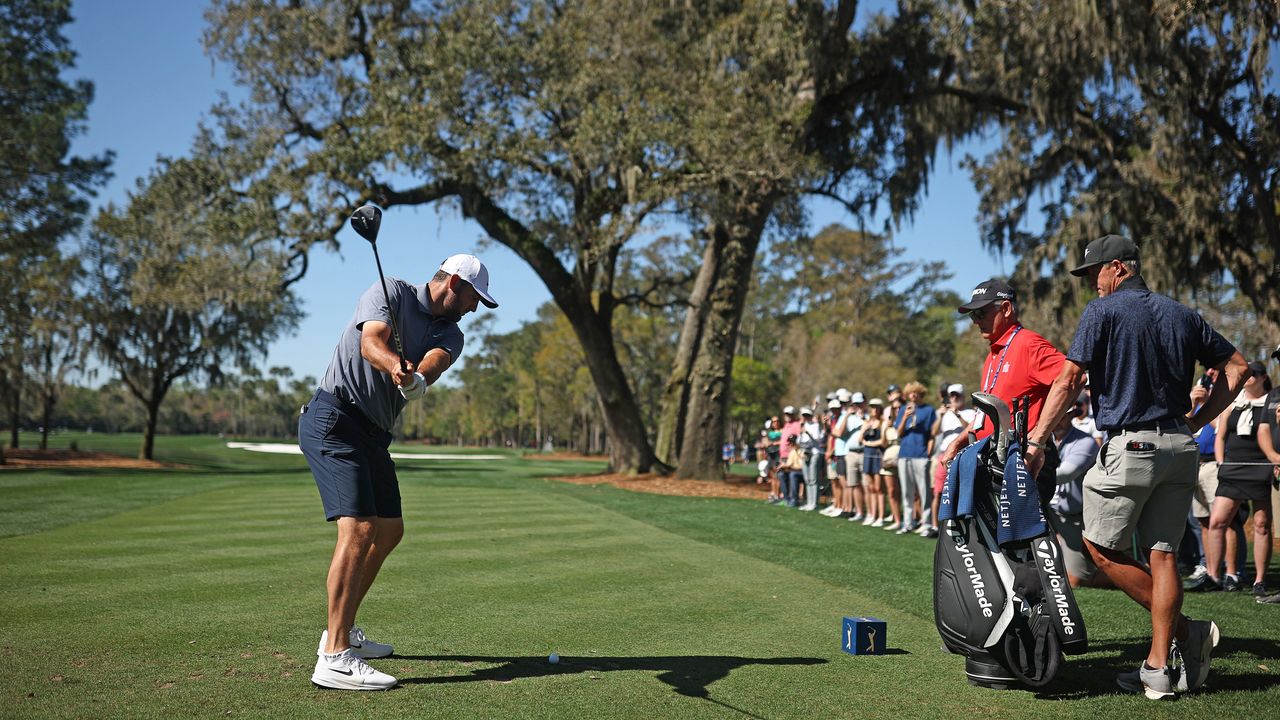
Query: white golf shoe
348	671
362	646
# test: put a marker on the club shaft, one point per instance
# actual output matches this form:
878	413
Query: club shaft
395	330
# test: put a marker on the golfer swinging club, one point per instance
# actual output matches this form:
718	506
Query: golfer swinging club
345	430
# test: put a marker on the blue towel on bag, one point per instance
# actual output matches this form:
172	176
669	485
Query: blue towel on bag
957	497
1020	516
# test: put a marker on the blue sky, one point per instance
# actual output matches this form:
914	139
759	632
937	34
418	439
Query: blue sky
153	84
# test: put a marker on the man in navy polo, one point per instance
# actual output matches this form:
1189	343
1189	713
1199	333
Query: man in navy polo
1140	351
344	433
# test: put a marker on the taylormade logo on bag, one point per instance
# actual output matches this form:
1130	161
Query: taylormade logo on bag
975	577
1048	553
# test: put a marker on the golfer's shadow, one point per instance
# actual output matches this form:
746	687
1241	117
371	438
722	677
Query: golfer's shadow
686	674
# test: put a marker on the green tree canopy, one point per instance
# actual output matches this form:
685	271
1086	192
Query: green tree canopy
177	287
44	190
1154	119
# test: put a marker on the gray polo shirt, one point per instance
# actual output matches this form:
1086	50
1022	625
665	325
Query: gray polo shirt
353	379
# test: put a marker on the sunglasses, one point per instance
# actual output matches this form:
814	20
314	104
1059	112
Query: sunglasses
979	313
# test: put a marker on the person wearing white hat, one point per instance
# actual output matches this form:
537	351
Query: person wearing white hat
467	269
846	434
952	421
830	460
398	343
812	441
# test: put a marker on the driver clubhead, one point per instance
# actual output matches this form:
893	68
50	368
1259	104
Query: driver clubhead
998	413
366	220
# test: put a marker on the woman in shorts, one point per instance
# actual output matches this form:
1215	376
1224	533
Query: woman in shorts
872	441
1244	475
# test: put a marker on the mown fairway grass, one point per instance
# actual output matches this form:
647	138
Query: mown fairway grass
199	592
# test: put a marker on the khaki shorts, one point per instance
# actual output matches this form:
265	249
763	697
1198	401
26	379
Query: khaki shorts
1206	489
1147	490
853	468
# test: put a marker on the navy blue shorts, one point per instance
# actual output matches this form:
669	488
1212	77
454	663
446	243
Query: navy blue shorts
349	459
871	461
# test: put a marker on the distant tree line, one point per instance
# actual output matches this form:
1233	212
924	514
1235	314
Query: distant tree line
247	406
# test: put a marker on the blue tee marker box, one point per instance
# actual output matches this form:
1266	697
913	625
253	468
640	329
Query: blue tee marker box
863	636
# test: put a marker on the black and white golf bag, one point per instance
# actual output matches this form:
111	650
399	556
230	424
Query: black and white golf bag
1007	608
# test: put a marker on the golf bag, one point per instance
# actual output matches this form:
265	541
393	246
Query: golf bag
1000	594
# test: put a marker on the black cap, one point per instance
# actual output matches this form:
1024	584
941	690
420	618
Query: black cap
1104	250
1276	353
1257	368
893	388
987	292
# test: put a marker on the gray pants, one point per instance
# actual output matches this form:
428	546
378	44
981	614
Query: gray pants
812	471
913	479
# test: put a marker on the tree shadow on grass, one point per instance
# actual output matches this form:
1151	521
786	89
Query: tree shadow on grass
688	675
1095	675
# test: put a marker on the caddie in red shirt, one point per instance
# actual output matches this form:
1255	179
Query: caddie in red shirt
1020	363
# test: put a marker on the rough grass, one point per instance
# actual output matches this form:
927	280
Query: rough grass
200	592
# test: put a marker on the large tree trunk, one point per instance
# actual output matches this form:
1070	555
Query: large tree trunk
710	377
15	413
575	295
149	436
675	397
47	415
48	395
629	449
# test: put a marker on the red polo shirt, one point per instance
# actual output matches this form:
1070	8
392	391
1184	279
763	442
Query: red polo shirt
1020	363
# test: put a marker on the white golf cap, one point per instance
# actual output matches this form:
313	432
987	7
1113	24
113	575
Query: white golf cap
806	411
955	388
469	268
859	398
843	395
789	410
834	405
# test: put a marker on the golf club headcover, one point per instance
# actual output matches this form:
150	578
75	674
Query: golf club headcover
415	389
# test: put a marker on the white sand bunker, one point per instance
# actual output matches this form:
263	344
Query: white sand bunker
290	449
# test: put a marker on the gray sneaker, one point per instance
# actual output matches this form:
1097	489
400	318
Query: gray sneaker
1270	599
1155	684
1202	638
360	645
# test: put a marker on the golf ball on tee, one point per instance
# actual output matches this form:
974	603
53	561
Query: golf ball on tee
553	658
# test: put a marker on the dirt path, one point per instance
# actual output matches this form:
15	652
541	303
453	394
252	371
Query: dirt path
30	458
731	487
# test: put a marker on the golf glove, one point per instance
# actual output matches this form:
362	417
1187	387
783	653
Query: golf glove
415	389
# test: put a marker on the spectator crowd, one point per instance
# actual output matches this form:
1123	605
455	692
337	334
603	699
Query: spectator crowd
882	463
1145	469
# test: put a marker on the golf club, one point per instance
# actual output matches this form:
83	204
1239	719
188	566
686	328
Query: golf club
365	221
